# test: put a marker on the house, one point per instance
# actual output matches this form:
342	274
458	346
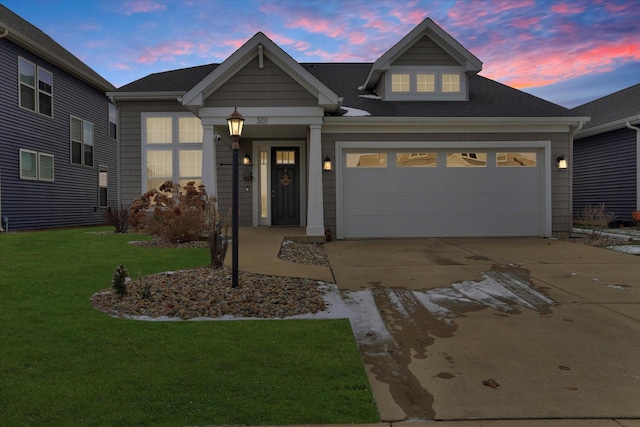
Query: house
607	154
419	144
58	152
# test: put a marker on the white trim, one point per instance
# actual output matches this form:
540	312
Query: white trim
546	164
40	178
607	127
35	164
144	96
255	116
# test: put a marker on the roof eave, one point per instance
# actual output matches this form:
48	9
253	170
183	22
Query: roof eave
26	43
146	96
381	120
608	127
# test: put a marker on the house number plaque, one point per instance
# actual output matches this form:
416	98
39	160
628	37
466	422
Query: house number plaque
261	120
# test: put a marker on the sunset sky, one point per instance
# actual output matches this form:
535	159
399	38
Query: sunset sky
568	52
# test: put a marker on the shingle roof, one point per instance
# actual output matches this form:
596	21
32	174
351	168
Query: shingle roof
35	40
616	106
487	98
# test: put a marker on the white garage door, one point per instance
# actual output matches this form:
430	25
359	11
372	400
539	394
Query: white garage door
442	192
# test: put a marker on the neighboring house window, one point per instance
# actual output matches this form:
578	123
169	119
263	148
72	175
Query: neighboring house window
36	88
113	122
450	82
425	82
400	82
81	142
103	186
172	149
36	166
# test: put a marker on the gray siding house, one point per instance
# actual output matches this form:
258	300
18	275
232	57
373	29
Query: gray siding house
58	160
607	154
415	144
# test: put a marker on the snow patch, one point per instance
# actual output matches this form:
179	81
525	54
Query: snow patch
354	112
370	96
626	249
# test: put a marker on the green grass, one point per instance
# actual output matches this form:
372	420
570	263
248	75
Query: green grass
64	363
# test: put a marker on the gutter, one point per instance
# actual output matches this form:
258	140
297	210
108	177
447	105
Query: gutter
637	129
607	127
5	33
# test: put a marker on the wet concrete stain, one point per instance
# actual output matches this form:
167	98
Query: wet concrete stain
413	328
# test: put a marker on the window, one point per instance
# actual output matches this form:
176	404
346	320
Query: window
464	160
36	88
36	166
527	160
366	160
172	149
450	82
416	160
113	122
400	83
425	82
285	157
103	186
81	142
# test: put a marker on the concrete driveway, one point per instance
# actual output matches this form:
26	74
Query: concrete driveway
459	329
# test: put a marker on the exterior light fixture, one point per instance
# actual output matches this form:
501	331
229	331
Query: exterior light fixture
235	122
246	160
562	162
326	164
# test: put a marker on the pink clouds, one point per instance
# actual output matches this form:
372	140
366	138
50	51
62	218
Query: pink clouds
565	8
143	6
165	51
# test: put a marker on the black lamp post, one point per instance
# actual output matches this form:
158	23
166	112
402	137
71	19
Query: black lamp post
235	122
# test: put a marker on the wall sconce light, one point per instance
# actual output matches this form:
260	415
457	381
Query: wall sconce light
246	160
326	164
562	162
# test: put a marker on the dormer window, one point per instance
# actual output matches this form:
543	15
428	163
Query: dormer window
400	83
415	83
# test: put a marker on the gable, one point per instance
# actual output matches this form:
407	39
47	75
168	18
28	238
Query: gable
260	48
266	86
425	52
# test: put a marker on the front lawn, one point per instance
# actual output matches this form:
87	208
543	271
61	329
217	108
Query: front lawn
64	363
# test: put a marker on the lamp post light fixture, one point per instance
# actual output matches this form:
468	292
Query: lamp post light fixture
235	122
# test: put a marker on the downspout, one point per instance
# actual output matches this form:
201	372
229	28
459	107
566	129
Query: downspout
637	129
4	34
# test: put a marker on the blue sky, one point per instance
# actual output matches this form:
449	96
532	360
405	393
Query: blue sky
568	52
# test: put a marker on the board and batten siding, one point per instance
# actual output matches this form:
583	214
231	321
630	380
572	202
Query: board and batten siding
604	171
72	198
560	192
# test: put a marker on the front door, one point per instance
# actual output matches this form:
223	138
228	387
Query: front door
285	186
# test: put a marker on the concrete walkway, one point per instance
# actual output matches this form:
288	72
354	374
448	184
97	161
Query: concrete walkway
573	365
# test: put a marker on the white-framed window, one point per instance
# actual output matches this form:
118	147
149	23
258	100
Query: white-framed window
81	135
36	166
35	87
400	83
113	122
425	83
172	149
450	82
103	186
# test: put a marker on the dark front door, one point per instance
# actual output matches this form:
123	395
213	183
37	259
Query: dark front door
285	186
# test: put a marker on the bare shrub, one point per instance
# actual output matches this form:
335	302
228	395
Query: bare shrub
595	218
118	218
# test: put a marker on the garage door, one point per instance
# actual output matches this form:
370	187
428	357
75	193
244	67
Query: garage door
442	193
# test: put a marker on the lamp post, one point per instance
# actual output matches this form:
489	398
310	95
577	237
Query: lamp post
235	122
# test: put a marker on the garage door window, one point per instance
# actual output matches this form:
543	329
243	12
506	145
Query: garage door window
516	160
416	160
366	160
466	160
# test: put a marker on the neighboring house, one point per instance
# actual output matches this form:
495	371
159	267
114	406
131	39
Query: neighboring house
419	143
607	154
58	160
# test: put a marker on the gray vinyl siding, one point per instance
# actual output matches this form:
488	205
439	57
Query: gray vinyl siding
425	52
261	87
604	171
560	193
72	199
130	122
